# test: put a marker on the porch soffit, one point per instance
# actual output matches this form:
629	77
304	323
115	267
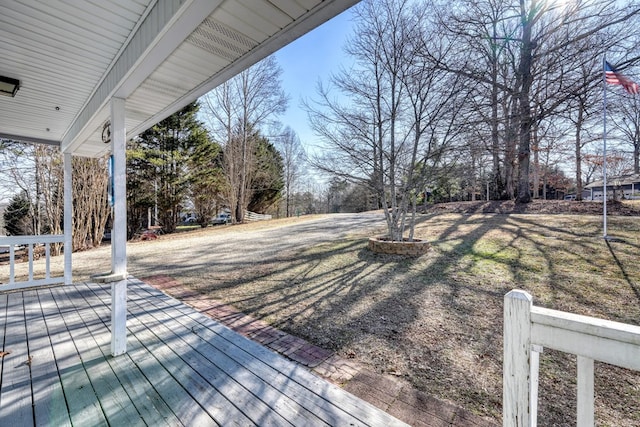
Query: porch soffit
159	55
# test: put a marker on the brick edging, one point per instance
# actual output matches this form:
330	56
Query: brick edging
392	395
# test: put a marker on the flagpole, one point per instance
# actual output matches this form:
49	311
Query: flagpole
604	148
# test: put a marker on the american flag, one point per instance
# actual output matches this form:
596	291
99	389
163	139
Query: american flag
612	76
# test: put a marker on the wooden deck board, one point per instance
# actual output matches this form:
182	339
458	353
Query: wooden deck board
220	406
111	394
174	397
240	353
333	399
142	392
78	390
181	368
257	392
50	407
16	386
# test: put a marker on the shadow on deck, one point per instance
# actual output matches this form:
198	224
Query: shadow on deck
182	368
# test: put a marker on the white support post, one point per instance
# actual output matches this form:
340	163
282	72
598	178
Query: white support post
68	218
586	407
535	381
119	232
517	369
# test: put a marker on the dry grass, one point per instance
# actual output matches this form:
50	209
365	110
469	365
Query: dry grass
436	320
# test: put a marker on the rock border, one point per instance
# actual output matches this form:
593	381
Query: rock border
382	245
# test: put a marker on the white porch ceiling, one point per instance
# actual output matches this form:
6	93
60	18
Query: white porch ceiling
73	56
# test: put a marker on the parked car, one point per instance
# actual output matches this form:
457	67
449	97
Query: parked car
222	218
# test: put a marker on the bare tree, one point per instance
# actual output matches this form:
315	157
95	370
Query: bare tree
50	189
627	122
401	117
37	172
90	201
293	157
234	111
537	46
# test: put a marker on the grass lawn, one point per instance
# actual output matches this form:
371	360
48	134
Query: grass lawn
436	320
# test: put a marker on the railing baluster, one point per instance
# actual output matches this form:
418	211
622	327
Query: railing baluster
516	403
586	407
535	381
30	262
12	263
47	254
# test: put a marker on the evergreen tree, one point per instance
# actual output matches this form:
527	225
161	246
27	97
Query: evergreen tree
17	221
206	177
267	181
158	169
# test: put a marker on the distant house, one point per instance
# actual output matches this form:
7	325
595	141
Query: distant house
623	186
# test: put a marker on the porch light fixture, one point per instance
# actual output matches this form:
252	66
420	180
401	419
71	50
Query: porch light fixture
9	86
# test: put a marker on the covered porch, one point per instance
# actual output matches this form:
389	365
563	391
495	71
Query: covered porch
87	77
181	368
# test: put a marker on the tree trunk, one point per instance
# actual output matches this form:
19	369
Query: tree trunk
579	152
536	165
524	71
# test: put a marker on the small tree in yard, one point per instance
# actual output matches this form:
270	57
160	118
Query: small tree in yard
402	116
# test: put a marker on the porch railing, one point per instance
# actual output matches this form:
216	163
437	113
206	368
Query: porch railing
31	247
528	329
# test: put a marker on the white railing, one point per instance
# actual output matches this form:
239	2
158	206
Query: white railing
528	329
29	245
252	216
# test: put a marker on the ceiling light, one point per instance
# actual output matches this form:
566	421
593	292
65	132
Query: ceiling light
9	86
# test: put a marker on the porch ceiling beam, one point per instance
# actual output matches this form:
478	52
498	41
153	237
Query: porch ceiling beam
29	139
166	26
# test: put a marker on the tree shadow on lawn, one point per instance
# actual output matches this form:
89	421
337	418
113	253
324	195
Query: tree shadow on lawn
435	320
404	316
567	270
633	285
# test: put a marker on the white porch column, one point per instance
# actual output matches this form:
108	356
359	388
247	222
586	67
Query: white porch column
68	217
517	408
119	232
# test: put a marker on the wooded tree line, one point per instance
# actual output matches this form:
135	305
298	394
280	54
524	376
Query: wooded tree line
34	176
175	166
172	168
476	94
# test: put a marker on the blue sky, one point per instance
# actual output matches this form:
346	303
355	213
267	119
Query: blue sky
312	57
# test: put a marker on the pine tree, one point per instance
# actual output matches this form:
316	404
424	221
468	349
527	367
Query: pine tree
158	169
206	177
17	220
267	181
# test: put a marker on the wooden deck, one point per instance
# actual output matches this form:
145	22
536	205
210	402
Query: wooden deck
182	368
